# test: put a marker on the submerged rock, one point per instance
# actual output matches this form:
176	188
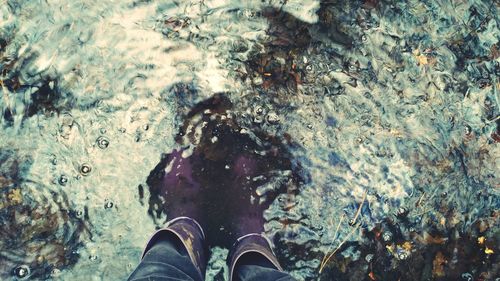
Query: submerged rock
39	232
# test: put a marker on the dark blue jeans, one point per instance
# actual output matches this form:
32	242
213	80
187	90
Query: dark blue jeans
166	261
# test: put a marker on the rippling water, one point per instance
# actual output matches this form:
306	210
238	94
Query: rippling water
386	113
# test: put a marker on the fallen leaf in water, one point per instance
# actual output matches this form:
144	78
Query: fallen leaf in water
406	245
15	196
390	248
422	60
438	265
429	239
481	240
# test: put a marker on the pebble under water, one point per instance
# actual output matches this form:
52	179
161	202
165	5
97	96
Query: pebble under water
367	130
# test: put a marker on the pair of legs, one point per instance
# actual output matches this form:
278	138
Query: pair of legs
178	252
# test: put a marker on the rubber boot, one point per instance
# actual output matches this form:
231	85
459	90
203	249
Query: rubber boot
255	244
192	237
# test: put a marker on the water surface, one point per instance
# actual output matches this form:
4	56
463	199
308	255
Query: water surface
378	120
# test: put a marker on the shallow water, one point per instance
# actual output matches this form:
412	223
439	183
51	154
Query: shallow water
385	111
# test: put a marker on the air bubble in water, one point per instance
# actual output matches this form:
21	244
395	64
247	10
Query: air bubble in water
108	205
79	213
257	119
55	272
85	169
22	271
402	212
369	257
467	276
467	130
102	142
63	180
387	236
402	256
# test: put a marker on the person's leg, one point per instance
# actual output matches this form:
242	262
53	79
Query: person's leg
176	252
166	260
254	267
252	259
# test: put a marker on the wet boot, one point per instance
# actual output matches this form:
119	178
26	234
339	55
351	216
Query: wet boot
187	236
252	259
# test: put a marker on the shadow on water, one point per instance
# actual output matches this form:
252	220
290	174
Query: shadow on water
235	167
228	172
